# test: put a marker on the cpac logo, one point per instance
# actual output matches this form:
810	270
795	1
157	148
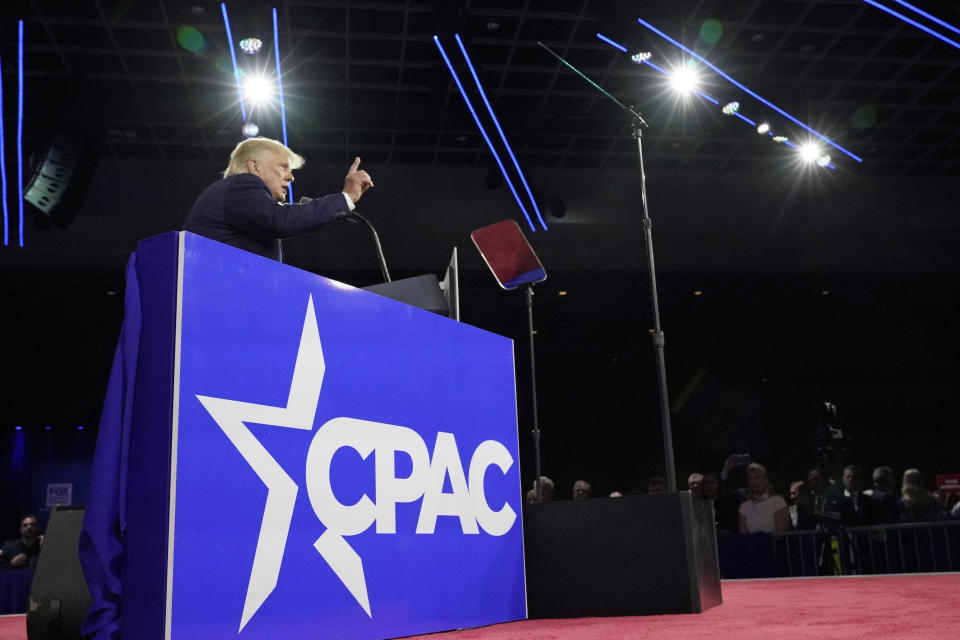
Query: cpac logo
426	479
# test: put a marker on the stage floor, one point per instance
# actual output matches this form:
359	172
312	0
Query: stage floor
897	607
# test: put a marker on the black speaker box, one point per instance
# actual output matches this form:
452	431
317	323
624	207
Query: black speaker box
629	556
59	597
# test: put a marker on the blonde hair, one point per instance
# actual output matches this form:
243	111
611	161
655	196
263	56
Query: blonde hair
252	148
912	487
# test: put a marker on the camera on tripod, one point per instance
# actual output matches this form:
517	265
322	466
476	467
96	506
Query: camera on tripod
829	441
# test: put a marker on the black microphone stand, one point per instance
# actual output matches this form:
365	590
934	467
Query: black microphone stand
533	392
376	241
659	342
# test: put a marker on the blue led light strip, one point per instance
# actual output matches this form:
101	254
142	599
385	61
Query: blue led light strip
483	132
611	42
916	24
233	58
20	127
752	93
503	137
928	16
3	171
283	108
745	119
707	97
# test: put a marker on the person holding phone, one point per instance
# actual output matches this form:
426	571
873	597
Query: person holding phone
765	511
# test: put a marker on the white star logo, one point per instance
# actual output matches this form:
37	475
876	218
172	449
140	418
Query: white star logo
299	413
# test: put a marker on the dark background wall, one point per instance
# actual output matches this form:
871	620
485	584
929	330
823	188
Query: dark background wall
814	287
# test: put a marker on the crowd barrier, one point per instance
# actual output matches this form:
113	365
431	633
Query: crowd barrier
895	548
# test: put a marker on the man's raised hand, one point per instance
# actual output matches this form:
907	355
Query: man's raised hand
357	181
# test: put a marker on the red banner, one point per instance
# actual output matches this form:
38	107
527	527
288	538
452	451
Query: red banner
949	482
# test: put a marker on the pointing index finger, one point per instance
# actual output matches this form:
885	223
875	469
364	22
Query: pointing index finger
355	165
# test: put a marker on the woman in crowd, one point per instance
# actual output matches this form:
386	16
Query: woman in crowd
764	510
916	505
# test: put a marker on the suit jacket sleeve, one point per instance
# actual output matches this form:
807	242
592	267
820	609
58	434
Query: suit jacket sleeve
251	208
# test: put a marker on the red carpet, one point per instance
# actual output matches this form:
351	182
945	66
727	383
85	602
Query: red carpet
919	607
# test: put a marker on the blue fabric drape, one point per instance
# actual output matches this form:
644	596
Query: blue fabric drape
101	538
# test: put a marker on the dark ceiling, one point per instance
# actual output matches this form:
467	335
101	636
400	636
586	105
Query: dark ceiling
364	77
828	313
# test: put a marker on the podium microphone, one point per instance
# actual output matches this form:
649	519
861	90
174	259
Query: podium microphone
352	218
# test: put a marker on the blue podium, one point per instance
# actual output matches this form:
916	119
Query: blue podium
304	459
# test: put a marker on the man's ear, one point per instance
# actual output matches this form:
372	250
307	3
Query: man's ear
252	166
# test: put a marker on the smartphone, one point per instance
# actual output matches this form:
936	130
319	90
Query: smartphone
741	459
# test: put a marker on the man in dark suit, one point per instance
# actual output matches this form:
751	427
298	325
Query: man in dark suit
855	508
245	209
23	552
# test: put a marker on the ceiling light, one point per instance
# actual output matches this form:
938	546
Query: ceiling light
684	79
731	108
763	127
250	45
250	130
780	138
823	160
809	152
641	57
257	90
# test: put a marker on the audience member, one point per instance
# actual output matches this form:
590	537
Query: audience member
734	475
581	490
865	510
851	506
953	499
883	494
802	513
764	511
23	552
725	504
615	494
695	484
817	482
546	490
656	485
916	505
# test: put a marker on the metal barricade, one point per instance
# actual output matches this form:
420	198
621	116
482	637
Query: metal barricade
895	548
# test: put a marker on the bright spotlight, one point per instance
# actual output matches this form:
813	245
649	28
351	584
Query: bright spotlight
823	160
731	108
641	57
810	152
250	129
257	90
684	79
763	128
